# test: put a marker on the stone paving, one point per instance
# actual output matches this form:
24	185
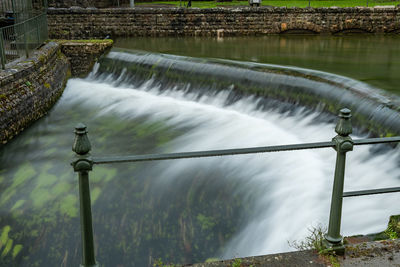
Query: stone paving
384	253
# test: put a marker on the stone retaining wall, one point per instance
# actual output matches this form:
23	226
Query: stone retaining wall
82	55
30	87
81	23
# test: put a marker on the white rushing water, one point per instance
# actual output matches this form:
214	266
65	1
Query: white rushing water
290	191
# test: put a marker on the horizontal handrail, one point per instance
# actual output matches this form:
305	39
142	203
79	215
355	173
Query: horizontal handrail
239	151
371	192
380	140
211	153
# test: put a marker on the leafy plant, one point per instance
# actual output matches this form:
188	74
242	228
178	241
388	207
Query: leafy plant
237	263
390	232
159	263
312	241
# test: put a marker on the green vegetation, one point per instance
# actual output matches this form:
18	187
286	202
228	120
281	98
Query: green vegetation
287	3
237	263
42	59
6	243
391	232
314	241
159	263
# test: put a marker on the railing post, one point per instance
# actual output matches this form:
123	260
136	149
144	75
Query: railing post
2	50
343	144
83	164
26	40
38	32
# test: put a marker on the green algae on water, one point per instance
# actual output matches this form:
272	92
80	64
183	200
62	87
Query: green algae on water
16	250
95	193
7	248
4	235
69	206
18	204
24	173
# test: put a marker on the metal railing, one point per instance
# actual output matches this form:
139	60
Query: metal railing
22	38
15	6
21	10
342	143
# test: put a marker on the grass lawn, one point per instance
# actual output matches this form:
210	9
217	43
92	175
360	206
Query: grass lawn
287	3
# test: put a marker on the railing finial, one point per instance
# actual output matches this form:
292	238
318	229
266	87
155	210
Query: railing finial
343	127
81	144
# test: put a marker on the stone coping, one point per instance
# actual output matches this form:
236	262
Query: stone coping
224	9
21	67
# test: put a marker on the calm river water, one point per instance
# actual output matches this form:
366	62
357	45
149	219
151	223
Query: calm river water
372	59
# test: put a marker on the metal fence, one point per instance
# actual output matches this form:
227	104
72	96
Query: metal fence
342	143
20	39
20	10
15	6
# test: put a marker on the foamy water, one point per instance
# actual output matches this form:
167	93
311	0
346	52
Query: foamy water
289	191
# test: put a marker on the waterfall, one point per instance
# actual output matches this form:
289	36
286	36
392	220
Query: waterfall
193	209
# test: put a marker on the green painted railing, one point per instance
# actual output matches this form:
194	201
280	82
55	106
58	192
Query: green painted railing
342	143
20	39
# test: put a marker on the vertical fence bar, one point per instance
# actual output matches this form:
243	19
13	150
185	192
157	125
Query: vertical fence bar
37	31
83	164
46	27
26	40
343	144
3	52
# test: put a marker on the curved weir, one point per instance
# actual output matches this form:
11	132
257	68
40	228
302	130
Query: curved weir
185	211
328	92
